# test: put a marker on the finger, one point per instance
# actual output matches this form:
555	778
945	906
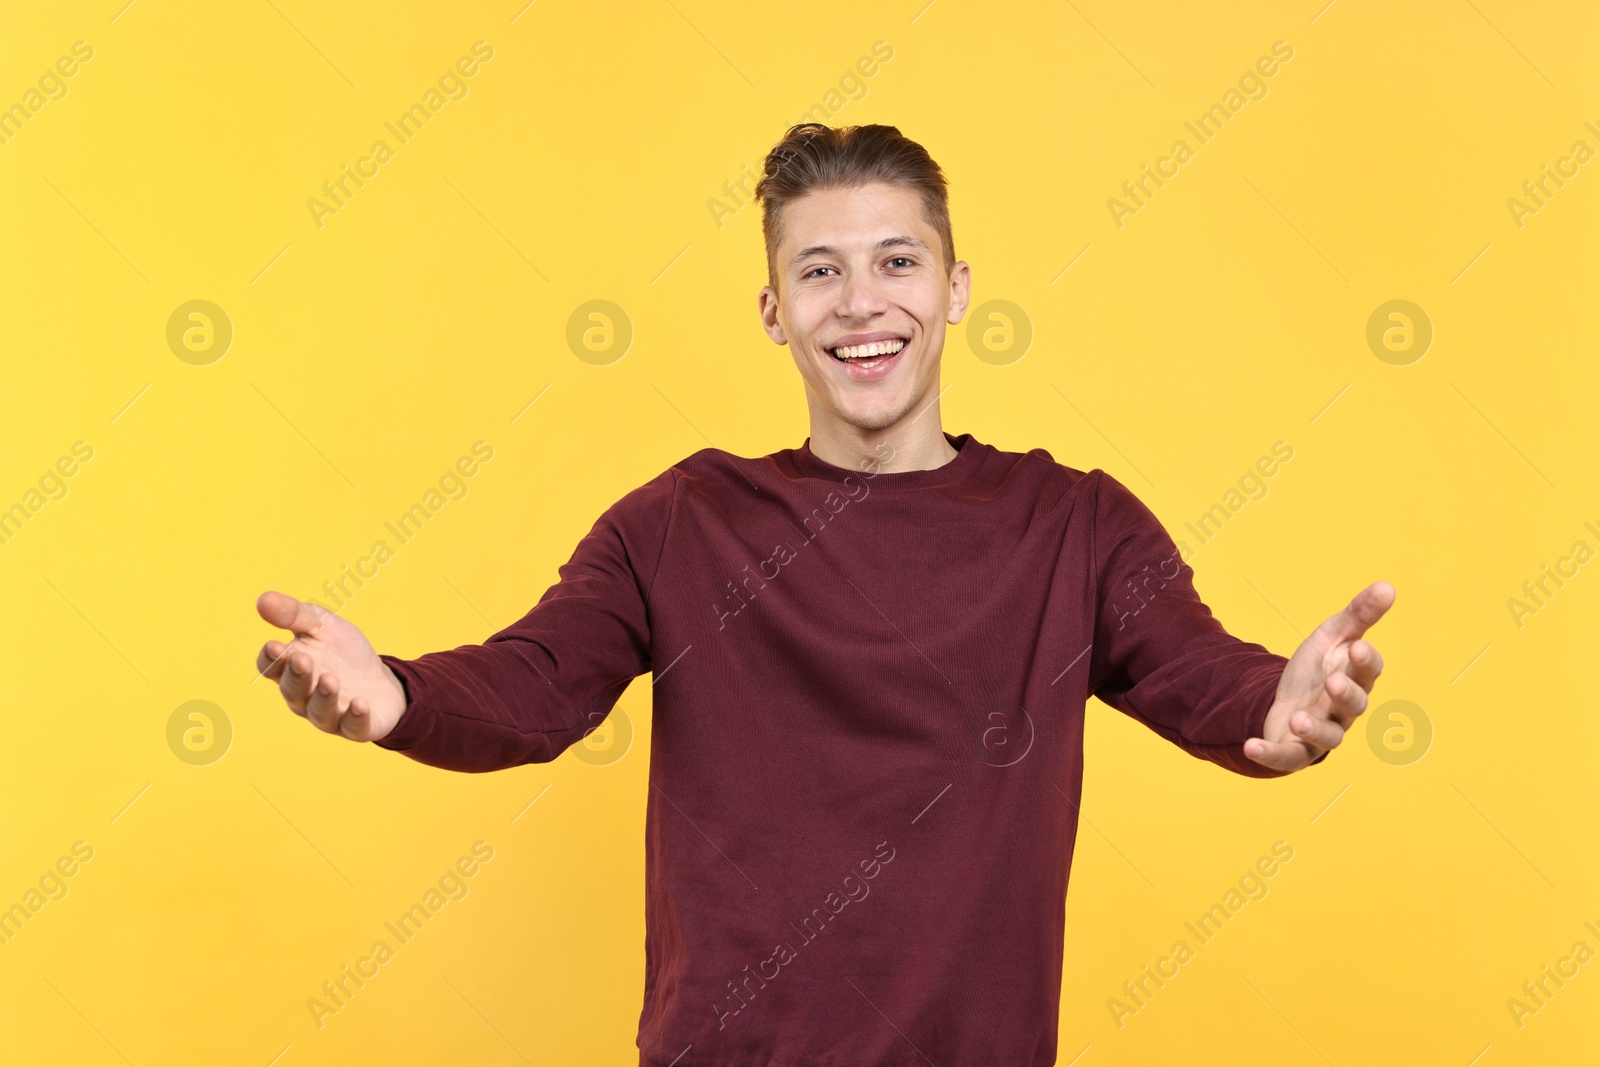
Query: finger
356	723
1365	664
285	612
1279	755
295	685
1320	733
1366	609
1348	698
322	707
269	661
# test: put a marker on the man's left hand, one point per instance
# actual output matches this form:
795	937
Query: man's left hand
1324	687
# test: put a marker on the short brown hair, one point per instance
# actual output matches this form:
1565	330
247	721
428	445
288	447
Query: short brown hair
812	157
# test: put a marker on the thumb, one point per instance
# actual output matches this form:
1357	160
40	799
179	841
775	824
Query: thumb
287	613
1362	612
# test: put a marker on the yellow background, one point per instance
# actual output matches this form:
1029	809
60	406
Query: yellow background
431	309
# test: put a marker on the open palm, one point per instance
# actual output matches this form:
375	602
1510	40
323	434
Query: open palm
1325	685
328	673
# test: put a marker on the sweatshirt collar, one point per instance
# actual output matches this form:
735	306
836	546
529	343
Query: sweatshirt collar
968	453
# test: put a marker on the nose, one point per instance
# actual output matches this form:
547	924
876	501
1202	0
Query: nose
861	296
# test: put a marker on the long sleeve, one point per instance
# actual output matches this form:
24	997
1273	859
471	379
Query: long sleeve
541	684
1160	656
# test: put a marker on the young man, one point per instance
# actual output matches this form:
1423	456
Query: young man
871	655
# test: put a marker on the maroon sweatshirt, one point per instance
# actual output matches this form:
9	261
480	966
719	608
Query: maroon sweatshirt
866	746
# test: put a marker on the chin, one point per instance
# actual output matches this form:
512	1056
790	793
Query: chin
874	420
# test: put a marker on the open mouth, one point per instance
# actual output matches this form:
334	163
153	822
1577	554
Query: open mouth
869	356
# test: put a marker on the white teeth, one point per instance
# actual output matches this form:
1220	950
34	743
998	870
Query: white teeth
877	348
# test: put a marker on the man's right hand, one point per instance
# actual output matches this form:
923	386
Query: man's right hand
329	672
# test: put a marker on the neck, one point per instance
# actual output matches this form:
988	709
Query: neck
917	446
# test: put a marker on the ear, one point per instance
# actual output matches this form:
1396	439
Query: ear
960	291
767	304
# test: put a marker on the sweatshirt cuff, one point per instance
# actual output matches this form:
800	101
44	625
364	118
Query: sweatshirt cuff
418	719
1255	725
1255	720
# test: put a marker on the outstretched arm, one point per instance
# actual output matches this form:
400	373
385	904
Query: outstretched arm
1161	657
525	694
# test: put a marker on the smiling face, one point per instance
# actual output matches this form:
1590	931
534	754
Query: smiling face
862	300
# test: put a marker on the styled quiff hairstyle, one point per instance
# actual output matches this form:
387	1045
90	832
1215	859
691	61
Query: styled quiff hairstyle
813	157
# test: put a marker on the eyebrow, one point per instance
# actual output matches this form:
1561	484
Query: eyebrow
887	242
